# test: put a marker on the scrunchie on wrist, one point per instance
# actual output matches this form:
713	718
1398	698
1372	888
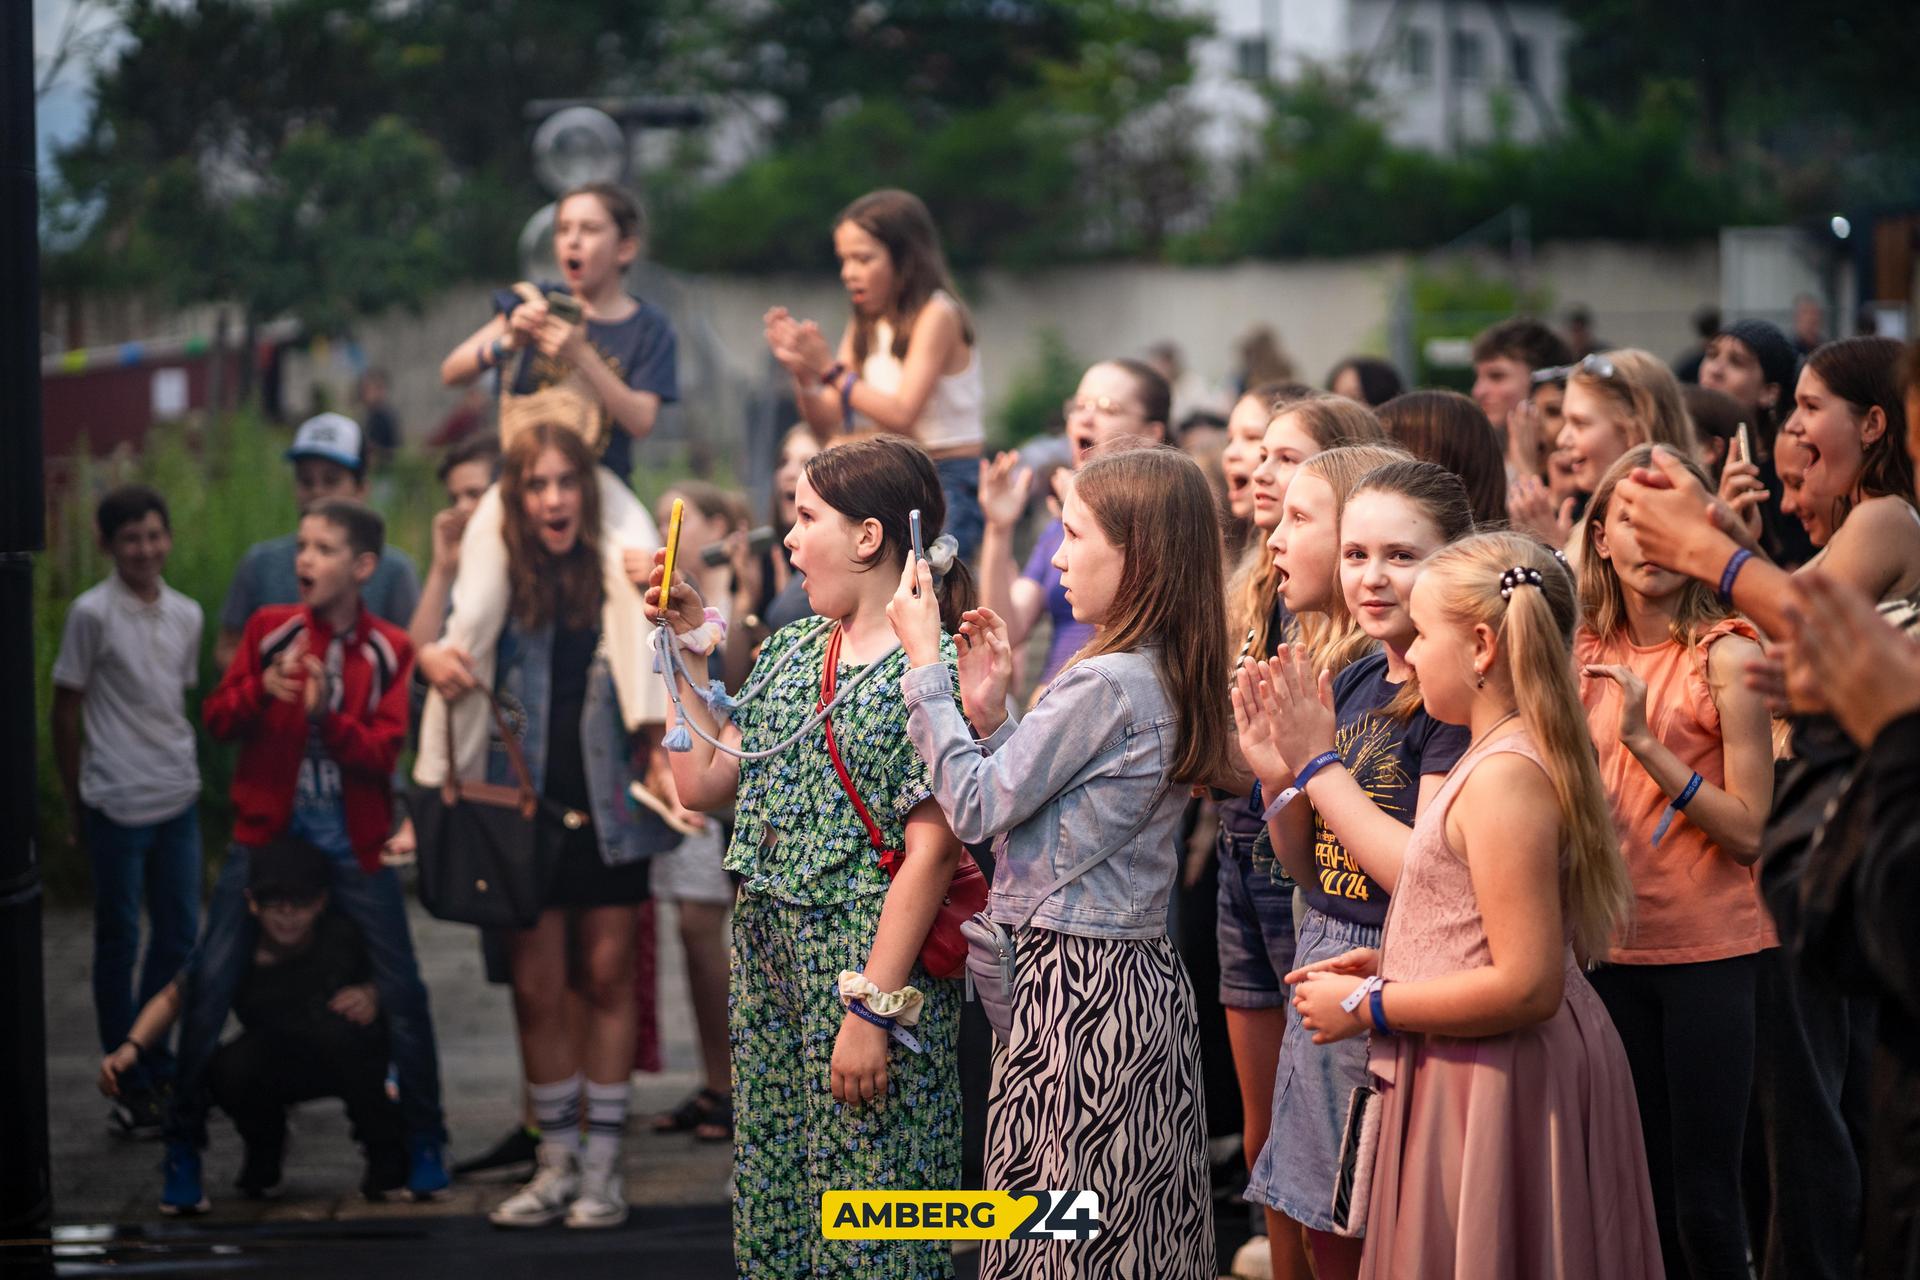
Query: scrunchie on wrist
903	1006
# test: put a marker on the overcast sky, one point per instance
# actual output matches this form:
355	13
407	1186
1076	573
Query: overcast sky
62	108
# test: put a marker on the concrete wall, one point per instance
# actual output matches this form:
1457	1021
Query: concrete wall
1322	310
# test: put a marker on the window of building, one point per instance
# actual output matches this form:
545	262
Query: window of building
1250	57
1416	54
1469	56
1520	53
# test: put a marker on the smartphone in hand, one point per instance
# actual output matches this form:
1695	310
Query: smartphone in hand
673	547
919	545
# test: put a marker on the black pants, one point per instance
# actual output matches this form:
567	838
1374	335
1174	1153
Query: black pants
1810	1092
258	1075
1689	1034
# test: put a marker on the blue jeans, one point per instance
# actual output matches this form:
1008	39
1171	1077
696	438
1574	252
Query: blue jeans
159	863
960	485
378	908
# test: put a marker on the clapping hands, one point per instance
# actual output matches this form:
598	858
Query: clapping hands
1283	712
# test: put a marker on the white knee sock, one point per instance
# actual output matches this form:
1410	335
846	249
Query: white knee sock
556	1109
606	1121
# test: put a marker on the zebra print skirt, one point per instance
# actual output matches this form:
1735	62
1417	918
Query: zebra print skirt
1099	1090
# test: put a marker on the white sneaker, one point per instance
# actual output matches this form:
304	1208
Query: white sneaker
544	1200
602	1201
1254	1261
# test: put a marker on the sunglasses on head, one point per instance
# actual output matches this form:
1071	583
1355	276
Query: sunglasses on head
1596	364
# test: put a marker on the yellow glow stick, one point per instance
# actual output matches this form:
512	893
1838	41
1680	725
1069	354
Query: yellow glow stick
673	545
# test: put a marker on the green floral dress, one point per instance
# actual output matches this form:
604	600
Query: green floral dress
810	907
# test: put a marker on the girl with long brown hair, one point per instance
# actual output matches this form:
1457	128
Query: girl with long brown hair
907	362
1098	1086
553	680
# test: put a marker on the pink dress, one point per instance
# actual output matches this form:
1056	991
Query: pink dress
1515	1156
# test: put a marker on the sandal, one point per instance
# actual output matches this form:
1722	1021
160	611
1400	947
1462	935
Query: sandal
698	1110
717	1126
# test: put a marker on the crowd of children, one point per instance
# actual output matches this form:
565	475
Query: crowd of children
1557	839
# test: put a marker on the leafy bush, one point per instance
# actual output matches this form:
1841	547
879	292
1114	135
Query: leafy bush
1000	182
1328	181
1458	302
1037	389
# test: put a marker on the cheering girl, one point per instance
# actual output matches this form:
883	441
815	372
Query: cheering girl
827	1092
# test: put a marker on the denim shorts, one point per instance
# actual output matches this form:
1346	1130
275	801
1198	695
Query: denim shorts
1255	924
960	485
1297	1168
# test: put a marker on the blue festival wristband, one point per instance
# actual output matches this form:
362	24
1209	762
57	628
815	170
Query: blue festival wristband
846	398
860	1010
1675	805
1735	562
1378	1009
1300	781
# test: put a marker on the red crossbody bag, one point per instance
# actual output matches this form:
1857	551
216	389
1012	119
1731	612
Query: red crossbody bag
944	954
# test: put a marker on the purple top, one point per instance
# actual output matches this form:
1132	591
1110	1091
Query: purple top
1068	635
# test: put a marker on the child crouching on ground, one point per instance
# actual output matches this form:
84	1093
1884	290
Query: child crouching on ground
312	1028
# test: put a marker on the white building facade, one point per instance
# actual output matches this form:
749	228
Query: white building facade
1446	72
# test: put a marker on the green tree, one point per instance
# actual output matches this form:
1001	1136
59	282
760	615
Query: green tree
1327	180
1035	132
199	106
1781	88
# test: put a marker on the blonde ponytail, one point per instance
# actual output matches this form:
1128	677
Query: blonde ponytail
1536	625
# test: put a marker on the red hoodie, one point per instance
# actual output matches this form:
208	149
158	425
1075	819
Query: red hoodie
363	727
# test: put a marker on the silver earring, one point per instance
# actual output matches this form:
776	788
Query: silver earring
1480	681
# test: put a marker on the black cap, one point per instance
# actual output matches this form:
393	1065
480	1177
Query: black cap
1778	360
288	870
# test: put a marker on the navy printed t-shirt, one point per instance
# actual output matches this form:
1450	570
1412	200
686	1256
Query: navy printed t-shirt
641	350
1387	758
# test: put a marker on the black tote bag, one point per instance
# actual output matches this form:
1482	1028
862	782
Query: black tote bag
480	857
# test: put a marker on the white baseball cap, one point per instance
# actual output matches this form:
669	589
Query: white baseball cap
333	436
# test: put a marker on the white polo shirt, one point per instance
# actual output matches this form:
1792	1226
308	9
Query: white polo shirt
134	662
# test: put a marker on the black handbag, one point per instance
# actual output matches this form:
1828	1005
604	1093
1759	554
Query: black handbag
480	856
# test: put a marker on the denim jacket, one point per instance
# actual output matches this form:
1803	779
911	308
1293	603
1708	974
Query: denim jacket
1069	780
627	832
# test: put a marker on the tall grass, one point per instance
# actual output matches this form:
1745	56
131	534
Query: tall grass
227	487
